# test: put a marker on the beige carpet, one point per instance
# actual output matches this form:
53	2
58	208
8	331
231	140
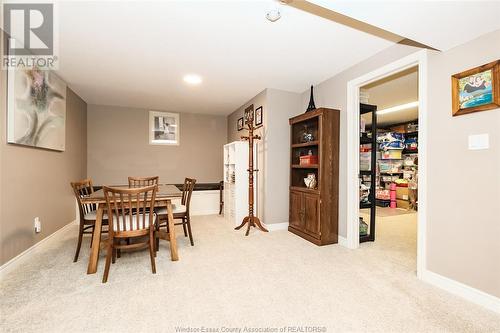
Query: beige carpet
230	281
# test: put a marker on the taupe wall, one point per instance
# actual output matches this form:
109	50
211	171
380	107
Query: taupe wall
35	182
282	105
118	147
463	186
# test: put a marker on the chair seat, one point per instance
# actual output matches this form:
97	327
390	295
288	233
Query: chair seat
126	226
92	215
176	209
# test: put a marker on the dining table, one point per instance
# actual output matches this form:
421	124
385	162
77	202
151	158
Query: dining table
164	196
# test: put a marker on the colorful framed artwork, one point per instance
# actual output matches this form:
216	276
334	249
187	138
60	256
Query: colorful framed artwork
164	128
36	108
240	124
258	116
477	89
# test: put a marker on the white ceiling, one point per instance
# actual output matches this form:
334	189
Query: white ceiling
136	53
439	24
392	91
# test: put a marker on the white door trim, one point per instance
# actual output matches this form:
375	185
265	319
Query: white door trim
416	59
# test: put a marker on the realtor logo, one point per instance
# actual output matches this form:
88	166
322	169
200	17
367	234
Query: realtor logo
30	31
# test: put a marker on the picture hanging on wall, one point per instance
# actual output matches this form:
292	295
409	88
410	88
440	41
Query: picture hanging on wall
258	116
249	114
476	89
164	128
240	124
36	108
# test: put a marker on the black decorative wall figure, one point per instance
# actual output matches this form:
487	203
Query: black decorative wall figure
311	105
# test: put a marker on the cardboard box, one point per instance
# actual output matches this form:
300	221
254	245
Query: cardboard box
402	193
402	204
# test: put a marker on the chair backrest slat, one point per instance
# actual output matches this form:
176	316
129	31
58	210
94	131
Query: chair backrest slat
121	203
187	191
81	189
142	181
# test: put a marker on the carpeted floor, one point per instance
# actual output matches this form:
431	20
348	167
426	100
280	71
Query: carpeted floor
273	281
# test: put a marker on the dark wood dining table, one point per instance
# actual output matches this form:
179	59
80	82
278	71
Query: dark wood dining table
163	199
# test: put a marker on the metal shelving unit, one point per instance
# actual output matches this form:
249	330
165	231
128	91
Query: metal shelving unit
364	109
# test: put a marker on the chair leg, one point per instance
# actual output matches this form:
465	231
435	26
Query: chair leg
188	219
109	254
118	252
92	236
80	236
113	257
157	238
221	201
152	253
184	226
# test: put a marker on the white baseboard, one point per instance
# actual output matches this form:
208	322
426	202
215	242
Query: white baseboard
23	256
276	226
343	241
469	293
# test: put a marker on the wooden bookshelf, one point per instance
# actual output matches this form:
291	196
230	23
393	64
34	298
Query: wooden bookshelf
314	212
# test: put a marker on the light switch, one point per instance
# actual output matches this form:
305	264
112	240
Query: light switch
479	141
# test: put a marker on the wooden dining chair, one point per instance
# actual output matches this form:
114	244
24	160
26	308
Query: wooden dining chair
142	181
180	211
88	212
129	211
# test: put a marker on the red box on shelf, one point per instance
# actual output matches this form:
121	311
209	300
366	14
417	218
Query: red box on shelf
308	159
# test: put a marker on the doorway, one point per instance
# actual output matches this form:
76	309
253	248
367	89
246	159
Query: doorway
388	175
416	60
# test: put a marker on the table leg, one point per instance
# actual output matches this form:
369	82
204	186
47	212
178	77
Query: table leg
171	233
94	252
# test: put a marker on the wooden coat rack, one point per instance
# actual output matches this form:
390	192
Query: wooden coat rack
250	220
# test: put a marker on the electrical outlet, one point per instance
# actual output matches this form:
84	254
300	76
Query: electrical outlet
37	225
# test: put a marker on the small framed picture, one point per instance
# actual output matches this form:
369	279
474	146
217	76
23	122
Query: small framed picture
240	124
164	128
249	116
258	116
477	89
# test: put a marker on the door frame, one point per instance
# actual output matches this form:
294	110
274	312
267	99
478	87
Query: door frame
418	59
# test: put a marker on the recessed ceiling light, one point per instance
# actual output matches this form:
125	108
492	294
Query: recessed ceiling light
193	79
398	108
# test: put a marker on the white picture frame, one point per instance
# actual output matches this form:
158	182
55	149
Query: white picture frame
164	128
